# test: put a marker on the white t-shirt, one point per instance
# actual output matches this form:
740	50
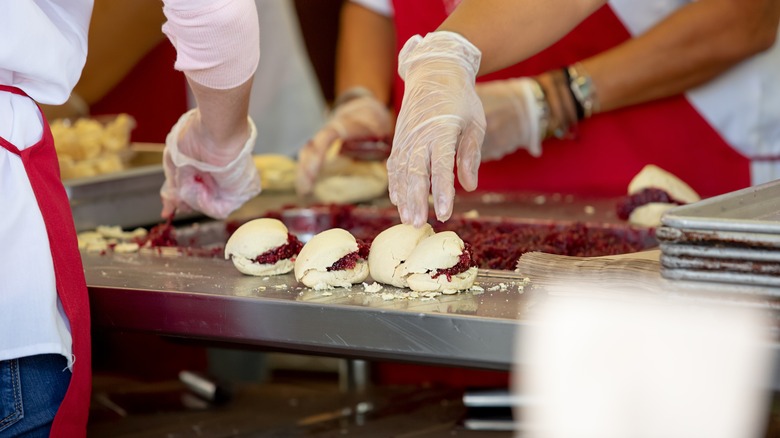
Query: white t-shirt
743	104
43	51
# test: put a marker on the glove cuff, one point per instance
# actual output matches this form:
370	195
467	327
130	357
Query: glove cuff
441	45
180	159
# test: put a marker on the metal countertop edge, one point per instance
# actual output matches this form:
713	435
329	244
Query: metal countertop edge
310	328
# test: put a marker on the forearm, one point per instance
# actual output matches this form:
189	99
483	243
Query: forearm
366	52
508	31
692	46
223	114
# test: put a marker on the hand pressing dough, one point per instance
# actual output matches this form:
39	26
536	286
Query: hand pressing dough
440	251
321	252
391	248
258	237
343	180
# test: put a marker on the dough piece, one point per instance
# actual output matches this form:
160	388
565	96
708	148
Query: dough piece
277	172
257	237
321	252
391	248
440	251
343	180
653	176
649	215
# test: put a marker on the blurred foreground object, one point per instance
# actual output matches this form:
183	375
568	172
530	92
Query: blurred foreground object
88	147
643	365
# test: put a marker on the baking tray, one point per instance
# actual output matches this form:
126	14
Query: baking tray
721	264
739	278
717	252
751	210
717	238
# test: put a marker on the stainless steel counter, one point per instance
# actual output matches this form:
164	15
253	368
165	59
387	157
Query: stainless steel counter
208	299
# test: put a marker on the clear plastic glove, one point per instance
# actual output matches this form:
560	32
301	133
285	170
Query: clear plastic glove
441	117
514	117
360	117
193	183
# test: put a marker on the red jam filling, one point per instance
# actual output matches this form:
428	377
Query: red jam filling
350	260
630	203
161	235
465	262
286	251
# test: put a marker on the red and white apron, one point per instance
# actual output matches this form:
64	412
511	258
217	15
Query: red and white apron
42	168
610	148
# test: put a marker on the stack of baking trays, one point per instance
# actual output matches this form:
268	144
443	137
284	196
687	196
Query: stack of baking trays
732	239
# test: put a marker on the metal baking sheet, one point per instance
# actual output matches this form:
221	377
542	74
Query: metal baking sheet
753	210
730	265
716	237
762	255
725	277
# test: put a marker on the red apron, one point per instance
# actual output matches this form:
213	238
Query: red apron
610	148
40	163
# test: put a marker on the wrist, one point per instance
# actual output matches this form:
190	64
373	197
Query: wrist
562	112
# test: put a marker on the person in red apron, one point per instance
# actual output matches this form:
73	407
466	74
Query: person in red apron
42	168
45	356
597	157
623	140
641	122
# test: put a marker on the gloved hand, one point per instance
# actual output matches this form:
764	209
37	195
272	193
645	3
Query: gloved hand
360	117
515	117
440	114
212	180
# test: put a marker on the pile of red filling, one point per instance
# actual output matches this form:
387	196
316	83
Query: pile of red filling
629	203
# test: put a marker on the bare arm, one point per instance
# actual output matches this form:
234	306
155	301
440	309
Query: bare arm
223	115
507	31
692	46
365	54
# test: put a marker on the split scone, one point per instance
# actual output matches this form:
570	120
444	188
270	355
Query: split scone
440	263
332	258
391	248
263	247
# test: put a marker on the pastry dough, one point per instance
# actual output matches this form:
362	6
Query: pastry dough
277	172
391	248
321	252
439	251
343	180
254	238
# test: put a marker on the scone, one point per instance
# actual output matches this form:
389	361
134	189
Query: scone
262	247
391	248
332	258
440	263
651	193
